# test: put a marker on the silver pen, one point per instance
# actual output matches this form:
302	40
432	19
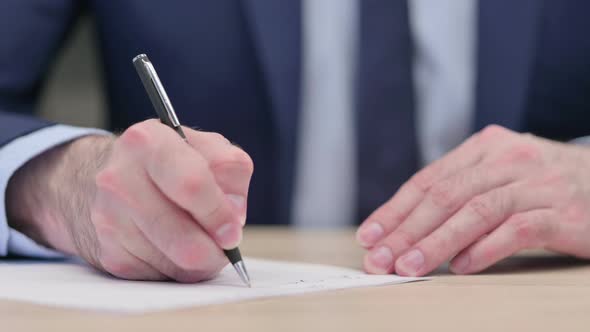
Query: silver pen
163	107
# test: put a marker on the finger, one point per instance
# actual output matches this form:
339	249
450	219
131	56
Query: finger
192	186
232	167
145	250
526	230
135	268
114	259
134	241
391	214
444	199
171	229
184	177
387	217
481	215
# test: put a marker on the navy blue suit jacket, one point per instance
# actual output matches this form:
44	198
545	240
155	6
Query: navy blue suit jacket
233	66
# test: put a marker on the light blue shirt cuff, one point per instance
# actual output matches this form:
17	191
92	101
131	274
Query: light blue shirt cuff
582	140
13	156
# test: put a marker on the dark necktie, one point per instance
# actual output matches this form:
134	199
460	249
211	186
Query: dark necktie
387	148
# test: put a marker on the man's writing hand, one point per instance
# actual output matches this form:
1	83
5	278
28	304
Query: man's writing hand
144	206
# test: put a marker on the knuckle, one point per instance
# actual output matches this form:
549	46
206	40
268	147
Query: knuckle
439	244
162	217
576	211
159	154
444	195
545	231
104	226
524	229
249	166
137	135
151	123
403	239
484	208
244	160
492	132
523	152
422	180
474	137
188	256
109	182
388	215
554	179
191	185
189	277
217	137
200	274
236	158
529	231
116	267
215	212
107	179
488	253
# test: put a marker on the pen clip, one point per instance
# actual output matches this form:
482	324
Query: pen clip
156	91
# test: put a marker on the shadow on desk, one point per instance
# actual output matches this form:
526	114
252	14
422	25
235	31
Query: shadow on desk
526	263
535	263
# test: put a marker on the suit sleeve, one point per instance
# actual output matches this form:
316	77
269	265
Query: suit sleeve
31	33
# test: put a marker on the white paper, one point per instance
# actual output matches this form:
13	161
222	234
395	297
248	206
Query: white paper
75	285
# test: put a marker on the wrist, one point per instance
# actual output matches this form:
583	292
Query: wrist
48	195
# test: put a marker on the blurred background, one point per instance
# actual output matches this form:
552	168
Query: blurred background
74	93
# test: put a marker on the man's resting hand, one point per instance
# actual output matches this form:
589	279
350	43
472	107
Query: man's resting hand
498	193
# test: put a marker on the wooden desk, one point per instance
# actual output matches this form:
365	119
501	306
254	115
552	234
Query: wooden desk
532	292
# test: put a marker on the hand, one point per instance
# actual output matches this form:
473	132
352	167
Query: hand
144	206
496	194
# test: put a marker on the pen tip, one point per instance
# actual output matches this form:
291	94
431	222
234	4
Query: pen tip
243	273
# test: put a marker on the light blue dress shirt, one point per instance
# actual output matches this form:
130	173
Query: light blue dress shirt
13	156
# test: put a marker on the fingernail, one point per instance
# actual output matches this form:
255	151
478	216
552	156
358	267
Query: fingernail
381	259
410	263
229	235
239	203
369	234
460	264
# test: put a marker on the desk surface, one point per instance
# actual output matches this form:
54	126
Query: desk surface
532	292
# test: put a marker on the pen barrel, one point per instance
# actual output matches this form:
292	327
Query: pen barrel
152	86
233	255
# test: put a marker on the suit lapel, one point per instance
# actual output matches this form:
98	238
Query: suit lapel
506	44
276	33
